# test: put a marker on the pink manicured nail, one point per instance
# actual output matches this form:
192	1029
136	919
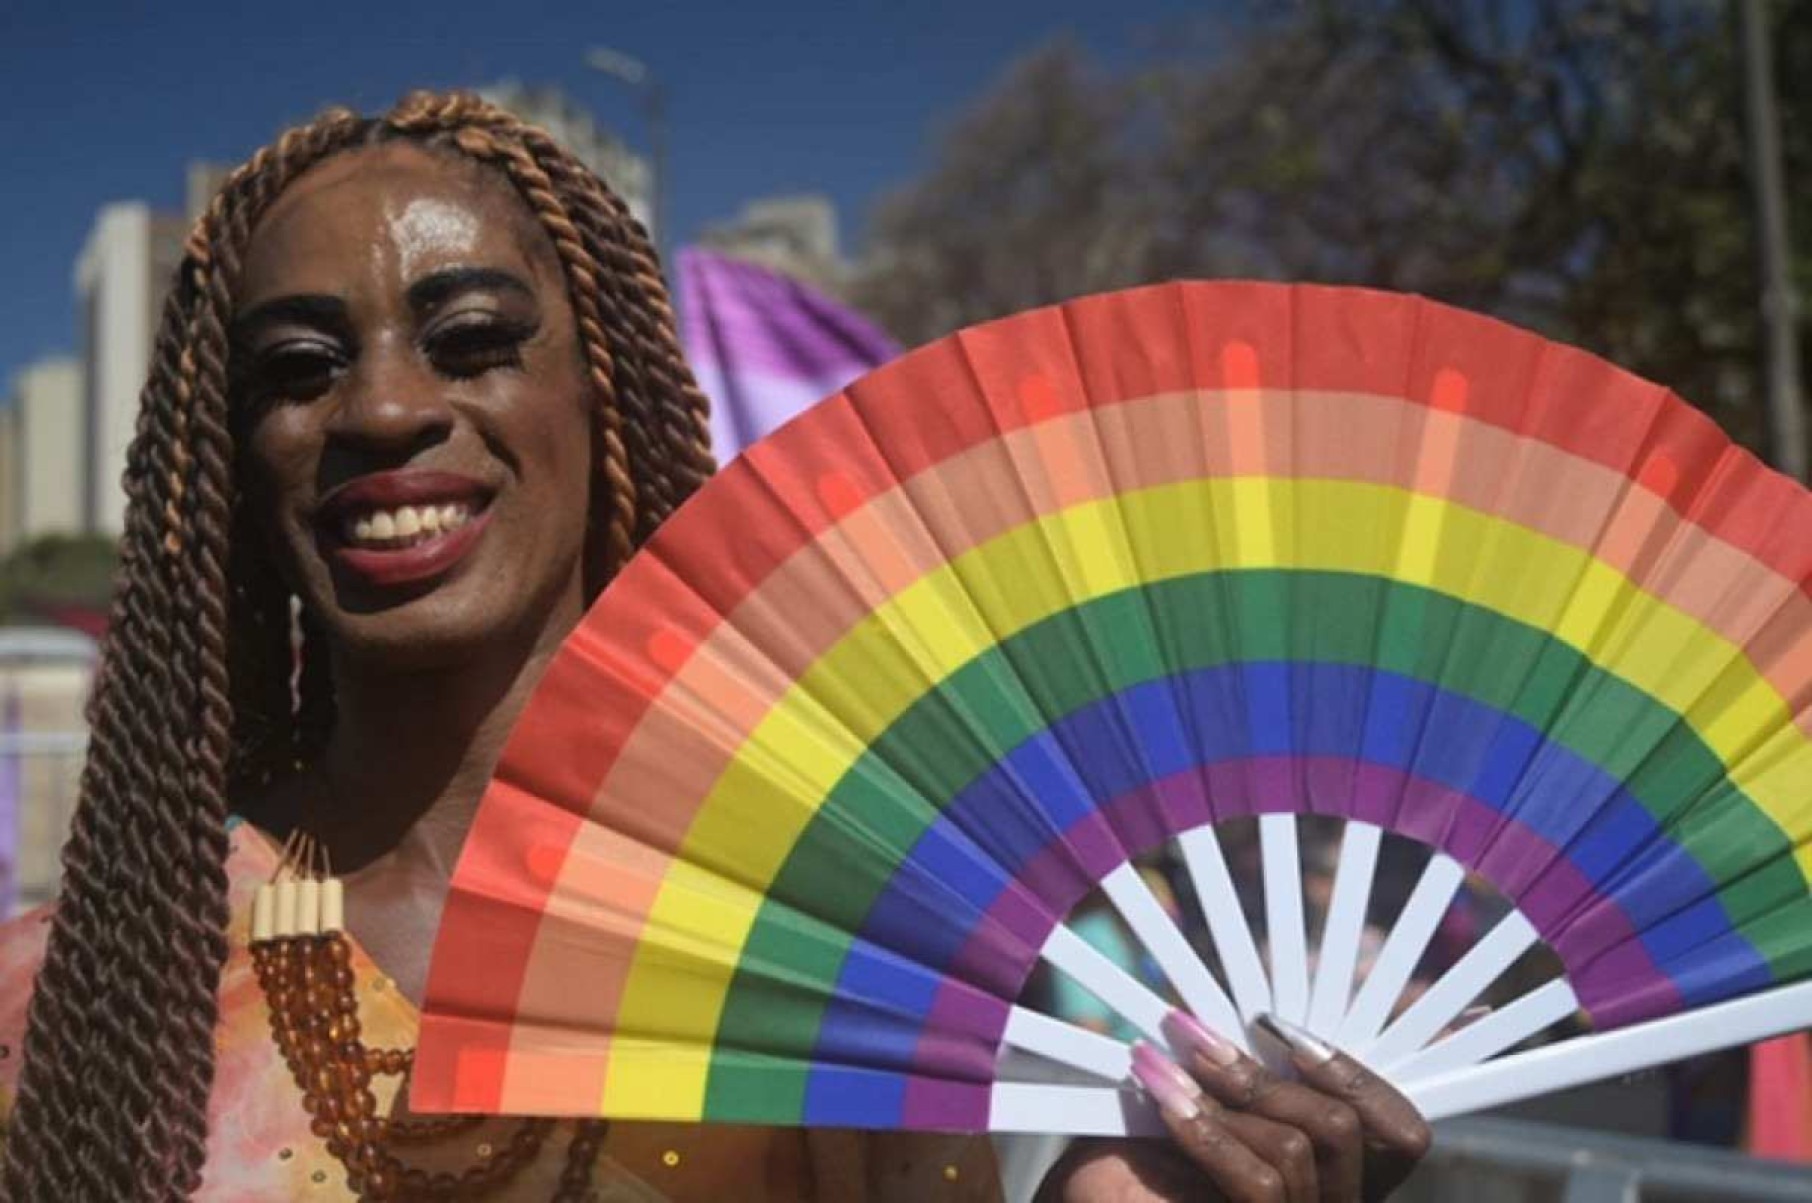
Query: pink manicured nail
1190	1033
1174	1090
1299	1040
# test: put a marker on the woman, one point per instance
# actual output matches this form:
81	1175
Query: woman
419	376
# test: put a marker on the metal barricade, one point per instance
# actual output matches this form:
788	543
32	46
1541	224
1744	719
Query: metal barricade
1489	1160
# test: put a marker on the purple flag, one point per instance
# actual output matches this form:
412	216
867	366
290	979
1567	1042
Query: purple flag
765	347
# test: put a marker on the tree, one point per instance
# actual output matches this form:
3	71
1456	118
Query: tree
1034	196
57	574
1576	167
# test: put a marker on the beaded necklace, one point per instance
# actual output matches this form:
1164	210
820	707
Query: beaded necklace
304	966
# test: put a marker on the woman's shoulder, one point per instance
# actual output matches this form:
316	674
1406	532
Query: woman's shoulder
23	939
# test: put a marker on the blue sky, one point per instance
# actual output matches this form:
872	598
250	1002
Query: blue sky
109	101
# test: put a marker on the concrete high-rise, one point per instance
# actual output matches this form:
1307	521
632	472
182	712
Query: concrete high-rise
45	481
569	124
120	279
793	235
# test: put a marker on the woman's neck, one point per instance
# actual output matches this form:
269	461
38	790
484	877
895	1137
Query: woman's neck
411	751
410	754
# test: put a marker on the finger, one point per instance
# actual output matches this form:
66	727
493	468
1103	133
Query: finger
1395	1134
1239	1082
1197	1124
1288	1150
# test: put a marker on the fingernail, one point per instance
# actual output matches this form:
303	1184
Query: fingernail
1188	1032
1163	1079
1299	1040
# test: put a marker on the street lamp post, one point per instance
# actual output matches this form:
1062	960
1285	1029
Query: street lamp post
634	73
1780	306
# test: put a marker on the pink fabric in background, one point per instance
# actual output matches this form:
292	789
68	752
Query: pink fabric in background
1780	1098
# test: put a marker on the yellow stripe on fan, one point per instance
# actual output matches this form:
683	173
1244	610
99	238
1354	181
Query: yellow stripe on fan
688	951
795	755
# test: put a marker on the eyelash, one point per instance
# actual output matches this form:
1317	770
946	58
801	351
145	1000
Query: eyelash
295	371
461	351
469	349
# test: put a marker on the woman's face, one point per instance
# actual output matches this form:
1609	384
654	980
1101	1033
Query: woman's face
419	425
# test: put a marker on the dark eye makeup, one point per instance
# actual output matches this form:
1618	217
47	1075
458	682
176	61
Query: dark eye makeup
462	346
293	370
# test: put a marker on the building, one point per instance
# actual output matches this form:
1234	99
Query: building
121	275
12	488
794	235
44	481
570	125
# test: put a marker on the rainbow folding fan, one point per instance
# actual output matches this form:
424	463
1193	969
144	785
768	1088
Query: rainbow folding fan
799	807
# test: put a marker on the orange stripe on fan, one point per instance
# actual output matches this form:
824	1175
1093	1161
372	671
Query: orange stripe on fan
1245	414
1441	434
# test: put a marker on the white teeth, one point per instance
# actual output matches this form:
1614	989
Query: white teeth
405	525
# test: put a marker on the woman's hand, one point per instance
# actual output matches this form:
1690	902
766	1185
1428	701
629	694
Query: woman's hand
1242	1134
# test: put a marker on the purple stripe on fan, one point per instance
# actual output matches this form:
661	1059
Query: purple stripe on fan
932	1105
1619	980
1070	866
765	347
949	1044
983	959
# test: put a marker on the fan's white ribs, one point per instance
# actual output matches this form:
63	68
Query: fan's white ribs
1344	927
1135	1002
1457	988
1170	948
1281	857
1494	1033
1402	950
1583	1059
1107	1111
1075	1110
1226	920
1068	1044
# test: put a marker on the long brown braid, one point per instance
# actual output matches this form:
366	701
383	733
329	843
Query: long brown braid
197	697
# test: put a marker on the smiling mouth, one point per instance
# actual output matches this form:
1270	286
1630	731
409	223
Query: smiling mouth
397	528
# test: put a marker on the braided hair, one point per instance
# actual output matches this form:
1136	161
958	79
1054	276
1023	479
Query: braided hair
198	696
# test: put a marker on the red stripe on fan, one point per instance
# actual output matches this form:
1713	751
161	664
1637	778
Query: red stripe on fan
1450	389
501	889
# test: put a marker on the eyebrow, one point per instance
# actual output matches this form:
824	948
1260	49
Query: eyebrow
436	287
310	309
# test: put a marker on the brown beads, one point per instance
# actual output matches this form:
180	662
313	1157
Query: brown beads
308	985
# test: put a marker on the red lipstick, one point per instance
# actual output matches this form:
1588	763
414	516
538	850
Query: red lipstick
419	561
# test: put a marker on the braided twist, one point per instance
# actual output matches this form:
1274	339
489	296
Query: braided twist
207	687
